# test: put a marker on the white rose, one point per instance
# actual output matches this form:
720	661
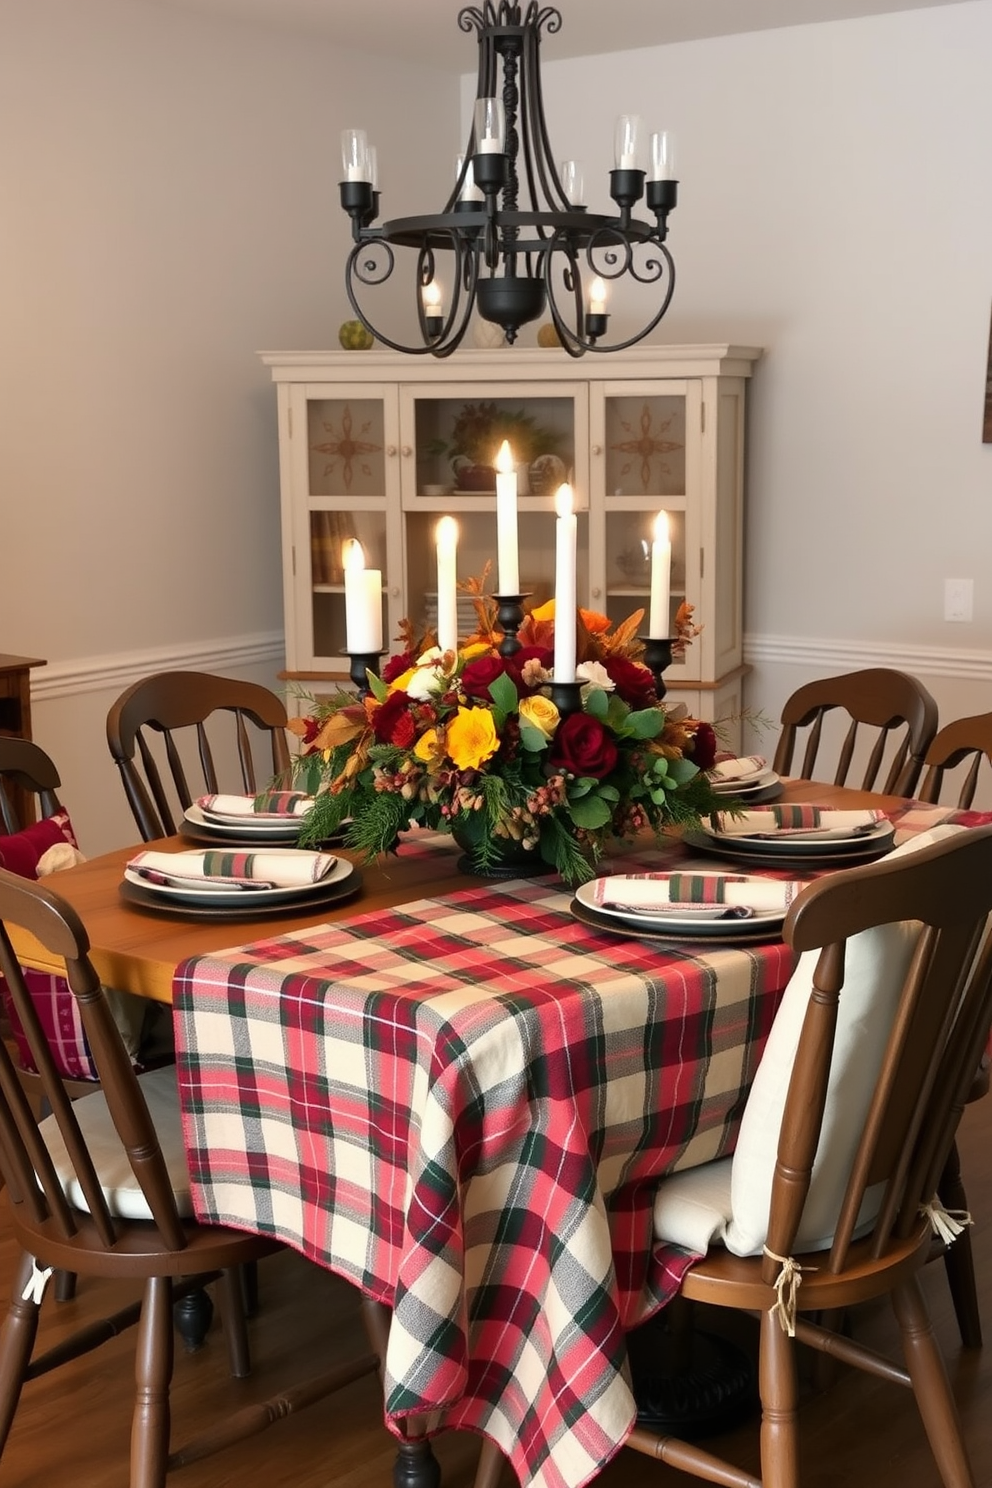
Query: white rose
595	674
426	682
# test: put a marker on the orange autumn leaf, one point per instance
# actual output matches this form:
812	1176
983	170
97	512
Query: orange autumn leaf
594	622
339	728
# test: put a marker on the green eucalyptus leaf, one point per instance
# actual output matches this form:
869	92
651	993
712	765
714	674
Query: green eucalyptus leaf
590	812
504	694
682	771
646	723
532	739
596	703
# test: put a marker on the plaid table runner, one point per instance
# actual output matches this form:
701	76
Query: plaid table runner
464	1106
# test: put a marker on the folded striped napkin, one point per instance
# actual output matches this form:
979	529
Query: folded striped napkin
797	821
738	769
215	870
689	892
277	804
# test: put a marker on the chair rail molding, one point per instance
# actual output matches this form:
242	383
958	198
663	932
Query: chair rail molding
96	673
848	655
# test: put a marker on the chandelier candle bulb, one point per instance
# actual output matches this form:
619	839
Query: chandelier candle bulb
355	154
573	182
565	546
433	306
627	141
469	192
597	297
506	521
661	579
362	602
490	126
662	156
447	584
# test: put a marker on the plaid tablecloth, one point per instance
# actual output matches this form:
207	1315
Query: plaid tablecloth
464	1106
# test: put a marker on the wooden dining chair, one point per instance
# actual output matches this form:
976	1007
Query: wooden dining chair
865	1071
965	741
27	773
206	727
101	1187
895	706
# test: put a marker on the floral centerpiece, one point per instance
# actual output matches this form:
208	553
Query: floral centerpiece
469	742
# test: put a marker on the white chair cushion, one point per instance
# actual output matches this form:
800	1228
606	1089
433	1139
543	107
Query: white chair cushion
119	1184
729	1200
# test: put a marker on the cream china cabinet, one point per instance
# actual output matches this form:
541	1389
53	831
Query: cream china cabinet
379	446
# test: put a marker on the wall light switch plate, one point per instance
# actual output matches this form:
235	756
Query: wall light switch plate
959	595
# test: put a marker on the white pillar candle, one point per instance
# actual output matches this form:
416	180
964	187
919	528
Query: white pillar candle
447	584
565	542
661	579
362	602
508	574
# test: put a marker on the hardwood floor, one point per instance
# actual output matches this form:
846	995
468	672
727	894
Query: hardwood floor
72	1427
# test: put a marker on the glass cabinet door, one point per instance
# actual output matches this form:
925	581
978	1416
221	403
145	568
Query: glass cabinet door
645	456
450	439
347	464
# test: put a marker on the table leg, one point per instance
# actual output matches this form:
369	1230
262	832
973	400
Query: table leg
415	1465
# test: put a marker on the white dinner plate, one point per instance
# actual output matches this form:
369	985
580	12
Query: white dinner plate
682	924
229	898
747	786
785	844
243	826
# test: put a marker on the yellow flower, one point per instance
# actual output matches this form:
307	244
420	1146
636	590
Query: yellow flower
426	745
402	682
477	648
545	611
541	713
472	738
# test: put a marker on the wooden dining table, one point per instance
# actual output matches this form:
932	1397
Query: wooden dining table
461	1098
138	951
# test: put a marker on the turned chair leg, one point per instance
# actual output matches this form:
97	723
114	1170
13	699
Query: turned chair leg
959	1262
779	1406
16	1346
930	1386
153	1375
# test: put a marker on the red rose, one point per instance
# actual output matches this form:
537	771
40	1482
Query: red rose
387	721
704	746
478	674
397	665
633	681
583	747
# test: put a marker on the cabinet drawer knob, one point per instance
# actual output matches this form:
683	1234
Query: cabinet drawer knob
395	591
391	451
596	593
597	449
407	451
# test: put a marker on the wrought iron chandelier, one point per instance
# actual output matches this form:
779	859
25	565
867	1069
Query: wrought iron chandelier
508	259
